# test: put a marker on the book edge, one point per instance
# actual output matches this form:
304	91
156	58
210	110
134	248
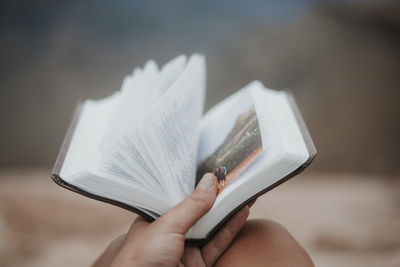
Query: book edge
55	174
62	154
312	151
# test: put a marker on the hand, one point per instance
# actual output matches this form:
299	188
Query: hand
161	243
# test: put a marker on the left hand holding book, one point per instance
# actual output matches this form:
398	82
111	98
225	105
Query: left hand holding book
161	243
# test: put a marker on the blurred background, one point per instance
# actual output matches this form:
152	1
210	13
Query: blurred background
340	58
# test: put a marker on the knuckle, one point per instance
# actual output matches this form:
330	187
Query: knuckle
228	233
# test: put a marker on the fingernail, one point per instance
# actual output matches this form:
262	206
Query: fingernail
207	182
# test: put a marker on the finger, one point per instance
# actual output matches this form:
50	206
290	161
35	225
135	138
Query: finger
139	222
221	241
192	257
136	226
180	218
252	202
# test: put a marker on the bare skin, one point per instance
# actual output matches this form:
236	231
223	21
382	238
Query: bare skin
161	243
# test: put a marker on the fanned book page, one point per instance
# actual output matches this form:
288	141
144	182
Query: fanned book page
145	147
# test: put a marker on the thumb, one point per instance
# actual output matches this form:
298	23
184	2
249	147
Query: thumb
180	218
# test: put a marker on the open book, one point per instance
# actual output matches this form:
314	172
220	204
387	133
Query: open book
145	147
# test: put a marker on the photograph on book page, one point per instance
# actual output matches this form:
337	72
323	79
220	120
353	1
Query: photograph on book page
231	140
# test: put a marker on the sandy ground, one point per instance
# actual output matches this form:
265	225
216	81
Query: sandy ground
341	220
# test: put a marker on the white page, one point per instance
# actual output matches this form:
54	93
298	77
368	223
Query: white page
124	147
120	154
172	127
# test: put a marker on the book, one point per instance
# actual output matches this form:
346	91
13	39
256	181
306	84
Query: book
145	147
